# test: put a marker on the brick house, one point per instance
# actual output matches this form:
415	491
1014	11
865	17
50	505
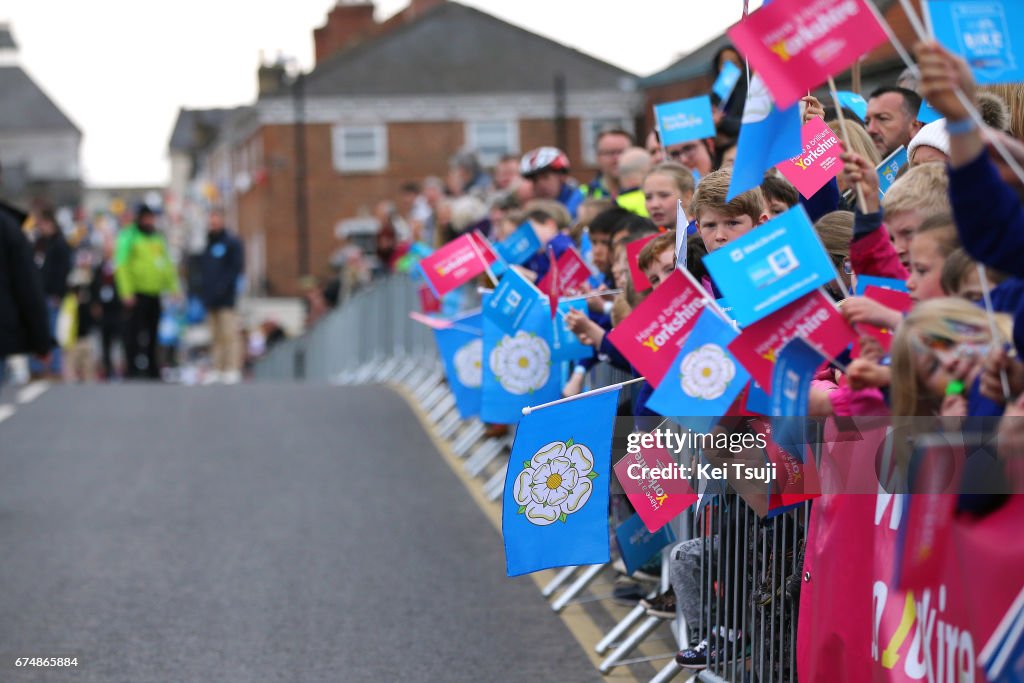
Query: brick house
389	102
691	75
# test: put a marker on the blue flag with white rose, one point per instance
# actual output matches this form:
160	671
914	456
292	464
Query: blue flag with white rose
704	379
461	349
555	508
519	368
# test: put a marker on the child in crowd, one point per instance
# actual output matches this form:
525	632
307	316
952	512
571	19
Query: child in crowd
665	186
720	221
960	277
779	194
550	221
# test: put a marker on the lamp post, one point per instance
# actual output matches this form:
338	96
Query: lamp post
301	183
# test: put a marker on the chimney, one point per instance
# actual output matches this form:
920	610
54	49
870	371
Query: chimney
272	78
417	8
348	23
8	46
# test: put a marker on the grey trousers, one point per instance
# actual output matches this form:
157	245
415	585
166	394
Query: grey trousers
685	576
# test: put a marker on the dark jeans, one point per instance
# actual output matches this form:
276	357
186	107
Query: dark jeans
140	337
110	332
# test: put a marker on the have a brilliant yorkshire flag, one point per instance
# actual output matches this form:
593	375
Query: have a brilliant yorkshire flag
555	507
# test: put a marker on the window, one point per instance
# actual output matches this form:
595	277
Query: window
492	139
593	127
360	148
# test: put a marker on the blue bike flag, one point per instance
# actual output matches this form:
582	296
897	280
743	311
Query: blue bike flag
565	345
768	135
461	349
865	281
795	367
511	300
771	266
637	545
854	102
555	507
518	369
889	169
704	379
726	82
982	32
518	247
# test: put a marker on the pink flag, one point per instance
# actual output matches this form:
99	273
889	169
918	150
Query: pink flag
819	162
430	321
650	337
573	273
428	302
656	487
898	301
457	262
555	286
795	45
632	256
813	317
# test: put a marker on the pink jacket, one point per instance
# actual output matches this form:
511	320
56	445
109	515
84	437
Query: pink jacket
874	254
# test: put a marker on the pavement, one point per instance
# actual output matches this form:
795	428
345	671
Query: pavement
254	533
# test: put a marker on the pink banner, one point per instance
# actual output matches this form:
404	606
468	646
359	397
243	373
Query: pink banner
648	478
897	301
650	337
573	273
819	162
633	249
813	317
457	262
795	45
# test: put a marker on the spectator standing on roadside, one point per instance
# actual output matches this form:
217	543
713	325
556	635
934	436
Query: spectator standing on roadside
107	309
611	143
143	272
53	259
223	265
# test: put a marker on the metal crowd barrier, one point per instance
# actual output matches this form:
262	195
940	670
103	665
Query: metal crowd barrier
750	577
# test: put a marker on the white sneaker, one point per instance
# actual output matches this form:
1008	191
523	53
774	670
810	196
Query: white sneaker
232	377
212	377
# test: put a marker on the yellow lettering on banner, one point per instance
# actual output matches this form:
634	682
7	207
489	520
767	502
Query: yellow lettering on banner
662	498
891	654
770	356
779	48
649	343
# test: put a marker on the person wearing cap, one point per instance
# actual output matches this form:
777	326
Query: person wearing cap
548	169
930	144
143	272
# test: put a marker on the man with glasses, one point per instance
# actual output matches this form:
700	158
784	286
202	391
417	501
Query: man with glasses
611	143
695	155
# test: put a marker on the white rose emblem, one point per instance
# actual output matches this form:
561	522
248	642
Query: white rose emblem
468	361
706	372
521	363
555	482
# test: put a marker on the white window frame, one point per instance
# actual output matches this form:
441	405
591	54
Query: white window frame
489	159
591	127
378	162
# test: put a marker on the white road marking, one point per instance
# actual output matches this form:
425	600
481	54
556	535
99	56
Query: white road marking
31	392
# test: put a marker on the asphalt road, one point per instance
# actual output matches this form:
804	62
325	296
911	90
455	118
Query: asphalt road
254	533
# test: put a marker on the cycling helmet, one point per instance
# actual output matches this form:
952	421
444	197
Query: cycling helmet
543	159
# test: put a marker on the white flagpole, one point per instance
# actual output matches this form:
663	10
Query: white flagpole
600	390
861	202
997	338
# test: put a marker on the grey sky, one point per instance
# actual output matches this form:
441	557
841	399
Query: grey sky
122	68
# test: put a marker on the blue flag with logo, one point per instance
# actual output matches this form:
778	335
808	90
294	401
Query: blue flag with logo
704	379
518	368
854	102
986	33
461	350
511	300
518	247
555	509
768	135
865	281
771	266
685	120
637	545
565	345
889	169
726	82
795	367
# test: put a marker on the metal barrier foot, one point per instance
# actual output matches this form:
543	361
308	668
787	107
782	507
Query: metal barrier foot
629	644
560	578
495	486
635	615
577	586
473	432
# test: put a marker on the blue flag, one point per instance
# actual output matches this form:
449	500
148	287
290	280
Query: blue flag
511	300
795	367
771	266
726	82
565	345
854	103
518	368
461	352
758	400
986	33
768	135
865	281
555	508
889	169
1003	654
637	544
685	120
926	114
518	247
704	379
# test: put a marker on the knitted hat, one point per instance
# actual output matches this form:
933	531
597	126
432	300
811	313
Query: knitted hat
932	135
